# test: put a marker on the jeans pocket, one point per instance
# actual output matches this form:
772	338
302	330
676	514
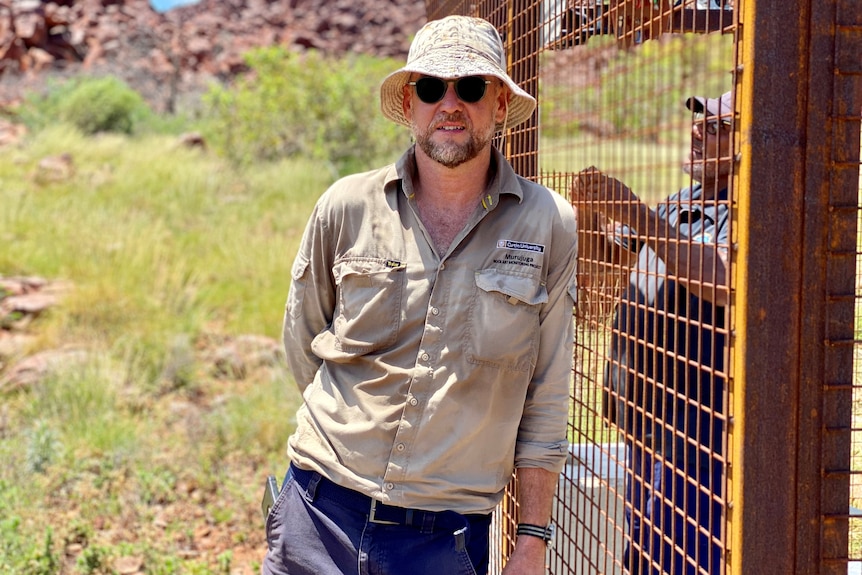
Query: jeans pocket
275	519
466	564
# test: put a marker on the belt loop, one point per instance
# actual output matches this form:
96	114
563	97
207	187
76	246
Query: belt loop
427	522
311	490
372	515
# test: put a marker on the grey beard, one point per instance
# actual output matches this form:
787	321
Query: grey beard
450	155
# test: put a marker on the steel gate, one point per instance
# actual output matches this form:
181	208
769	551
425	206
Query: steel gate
611	78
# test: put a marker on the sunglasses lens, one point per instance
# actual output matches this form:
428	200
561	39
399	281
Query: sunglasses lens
470	89
430	90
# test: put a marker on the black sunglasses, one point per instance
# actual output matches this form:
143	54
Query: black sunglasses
469	89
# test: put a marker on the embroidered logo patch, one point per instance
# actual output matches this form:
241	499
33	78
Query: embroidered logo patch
524	246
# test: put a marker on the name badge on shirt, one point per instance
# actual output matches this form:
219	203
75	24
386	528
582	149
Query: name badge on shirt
524	246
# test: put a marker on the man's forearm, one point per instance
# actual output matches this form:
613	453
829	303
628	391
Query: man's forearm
698	266
701	268
536	489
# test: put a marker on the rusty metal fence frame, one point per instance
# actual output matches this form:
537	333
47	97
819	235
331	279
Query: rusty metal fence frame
795	376
800	107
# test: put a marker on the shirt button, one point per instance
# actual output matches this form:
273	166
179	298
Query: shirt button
389	486
425	357
442	267
400	447
434	311
414	402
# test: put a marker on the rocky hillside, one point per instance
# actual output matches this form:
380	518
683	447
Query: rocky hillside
178	52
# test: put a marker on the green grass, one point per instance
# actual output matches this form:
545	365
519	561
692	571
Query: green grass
156	236
169	253
651	170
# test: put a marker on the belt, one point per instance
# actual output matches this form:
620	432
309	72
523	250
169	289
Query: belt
378	512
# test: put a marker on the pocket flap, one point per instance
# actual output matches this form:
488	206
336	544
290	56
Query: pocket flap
527	289
300	264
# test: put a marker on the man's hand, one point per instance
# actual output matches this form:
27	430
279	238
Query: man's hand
528	558
602	262
701	268
598	192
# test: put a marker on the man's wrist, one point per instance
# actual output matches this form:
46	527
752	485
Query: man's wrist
545	533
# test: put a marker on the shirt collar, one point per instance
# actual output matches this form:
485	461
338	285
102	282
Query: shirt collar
505	180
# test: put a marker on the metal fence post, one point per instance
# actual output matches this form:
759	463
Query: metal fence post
794	296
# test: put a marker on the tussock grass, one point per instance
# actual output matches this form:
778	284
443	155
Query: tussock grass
168	249
156	237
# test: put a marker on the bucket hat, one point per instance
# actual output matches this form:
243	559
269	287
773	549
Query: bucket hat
454	47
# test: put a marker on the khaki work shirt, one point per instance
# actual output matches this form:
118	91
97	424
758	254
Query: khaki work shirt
428	377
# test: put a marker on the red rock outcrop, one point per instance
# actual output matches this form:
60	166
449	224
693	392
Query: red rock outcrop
163	55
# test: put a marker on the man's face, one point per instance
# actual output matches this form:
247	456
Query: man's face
709	158
452	131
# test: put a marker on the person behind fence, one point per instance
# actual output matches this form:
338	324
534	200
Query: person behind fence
665	378
429	328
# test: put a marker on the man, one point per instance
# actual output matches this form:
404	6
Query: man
665	379
429	327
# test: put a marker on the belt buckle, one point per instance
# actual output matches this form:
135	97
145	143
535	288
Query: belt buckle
373	519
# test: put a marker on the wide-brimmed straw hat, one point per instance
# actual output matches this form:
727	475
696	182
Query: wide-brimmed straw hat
454	47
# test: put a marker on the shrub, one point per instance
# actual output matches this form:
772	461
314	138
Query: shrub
94	561
653	80
20	554
43	447
102	105
92	105
305	105
39	109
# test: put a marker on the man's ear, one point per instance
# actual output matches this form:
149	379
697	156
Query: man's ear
504	96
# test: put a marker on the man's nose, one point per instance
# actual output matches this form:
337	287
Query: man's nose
450	97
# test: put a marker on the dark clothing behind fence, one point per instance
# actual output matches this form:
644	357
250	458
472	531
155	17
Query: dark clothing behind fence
665	384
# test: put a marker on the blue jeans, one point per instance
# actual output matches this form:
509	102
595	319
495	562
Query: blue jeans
675	519
319	528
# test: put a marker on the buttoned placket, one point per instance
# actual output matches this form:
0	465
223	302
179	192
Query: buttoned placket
420	384
430	346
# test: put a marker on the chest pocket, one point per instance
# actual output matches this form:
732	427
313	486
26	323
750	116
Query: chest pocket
503	321
368	312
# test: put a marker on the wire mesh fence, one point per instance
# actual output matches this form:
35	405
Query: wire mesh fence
648	489
649	484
